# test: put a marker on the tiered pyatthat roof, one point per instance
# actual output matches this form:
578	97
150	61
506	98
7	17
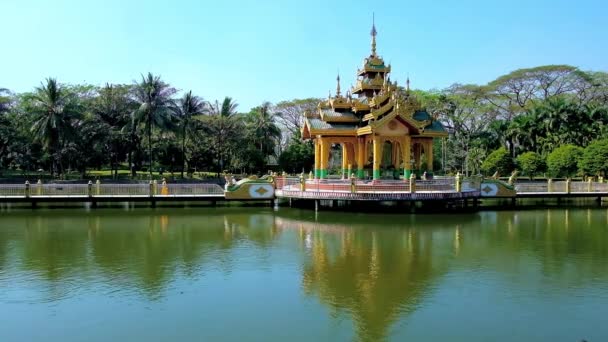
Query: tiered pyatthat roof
378	101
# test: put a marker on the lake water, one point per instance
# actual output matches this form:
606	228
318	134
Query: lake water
256	274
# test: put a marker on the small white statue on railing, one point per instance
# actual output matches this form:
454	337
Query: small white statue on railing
513	177
226	181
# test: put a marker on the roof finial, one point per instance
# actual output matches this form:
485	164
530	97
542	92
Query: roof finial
338	85
407	82
373	33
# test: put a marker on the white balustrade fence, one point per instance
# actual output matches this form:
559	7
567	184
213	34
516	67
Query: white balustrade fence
109	190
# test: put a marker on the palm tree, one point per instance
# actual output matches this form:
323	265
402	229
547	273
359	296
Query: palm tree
224	113
55	111
188	107
154	97
226	109
264	128
112	108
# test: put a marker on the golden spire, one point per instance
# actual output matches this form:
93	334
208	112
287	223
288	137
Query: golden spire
373	33
338	86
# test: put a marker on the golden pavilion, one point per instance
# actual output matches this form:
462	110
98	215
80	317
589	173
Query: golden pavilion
378	125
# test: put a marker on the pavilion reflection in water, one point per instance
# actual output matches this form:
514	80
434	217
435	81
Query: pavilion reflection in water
374	276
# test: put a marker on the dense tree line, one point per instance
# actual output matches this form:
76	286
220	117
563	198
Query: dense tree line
517	121
140	127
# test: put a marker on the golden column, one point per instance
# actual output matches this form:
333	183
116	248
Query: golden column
317	143
428	151
361	156
377	157
417	152
406	146
324	157
394	155
344	160
351	158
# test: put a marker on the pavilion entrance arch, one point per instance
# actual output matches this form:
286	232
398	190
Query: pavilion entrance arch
422	149
348	147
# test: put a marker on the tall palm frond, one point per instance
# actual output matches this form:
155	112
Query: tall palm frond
225	109
188	107
54	111
155	107
264	129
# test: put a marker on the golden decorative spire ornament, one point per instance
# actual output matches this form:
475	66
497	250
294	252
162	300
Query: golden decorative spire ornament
338	86
373	33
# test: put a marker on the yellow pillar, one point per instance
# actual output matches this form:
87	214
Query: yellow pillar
317	157
344	160
429	156
395	156
377	150
361	152
351	158
324	158
406	145
417	152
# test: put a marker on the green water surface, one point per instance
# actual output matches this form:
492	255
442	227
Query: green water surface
238	274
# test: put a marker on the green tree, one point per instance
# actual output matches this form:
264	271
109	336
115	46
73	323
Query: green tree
475	159
5	100
512	93
5	130
225	109
557	121
530	163
297	157
595	158
155	103
499	160
290	114
563	161
55	111
221	125
111	109
263	129
463	110
189	106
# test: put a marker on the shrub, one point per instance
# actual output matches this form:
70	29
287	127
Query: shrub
595	158
530	163
563	161
299	156
499	160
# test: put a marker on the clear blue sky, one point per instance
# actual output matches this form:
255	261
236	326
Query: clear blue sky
277	50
